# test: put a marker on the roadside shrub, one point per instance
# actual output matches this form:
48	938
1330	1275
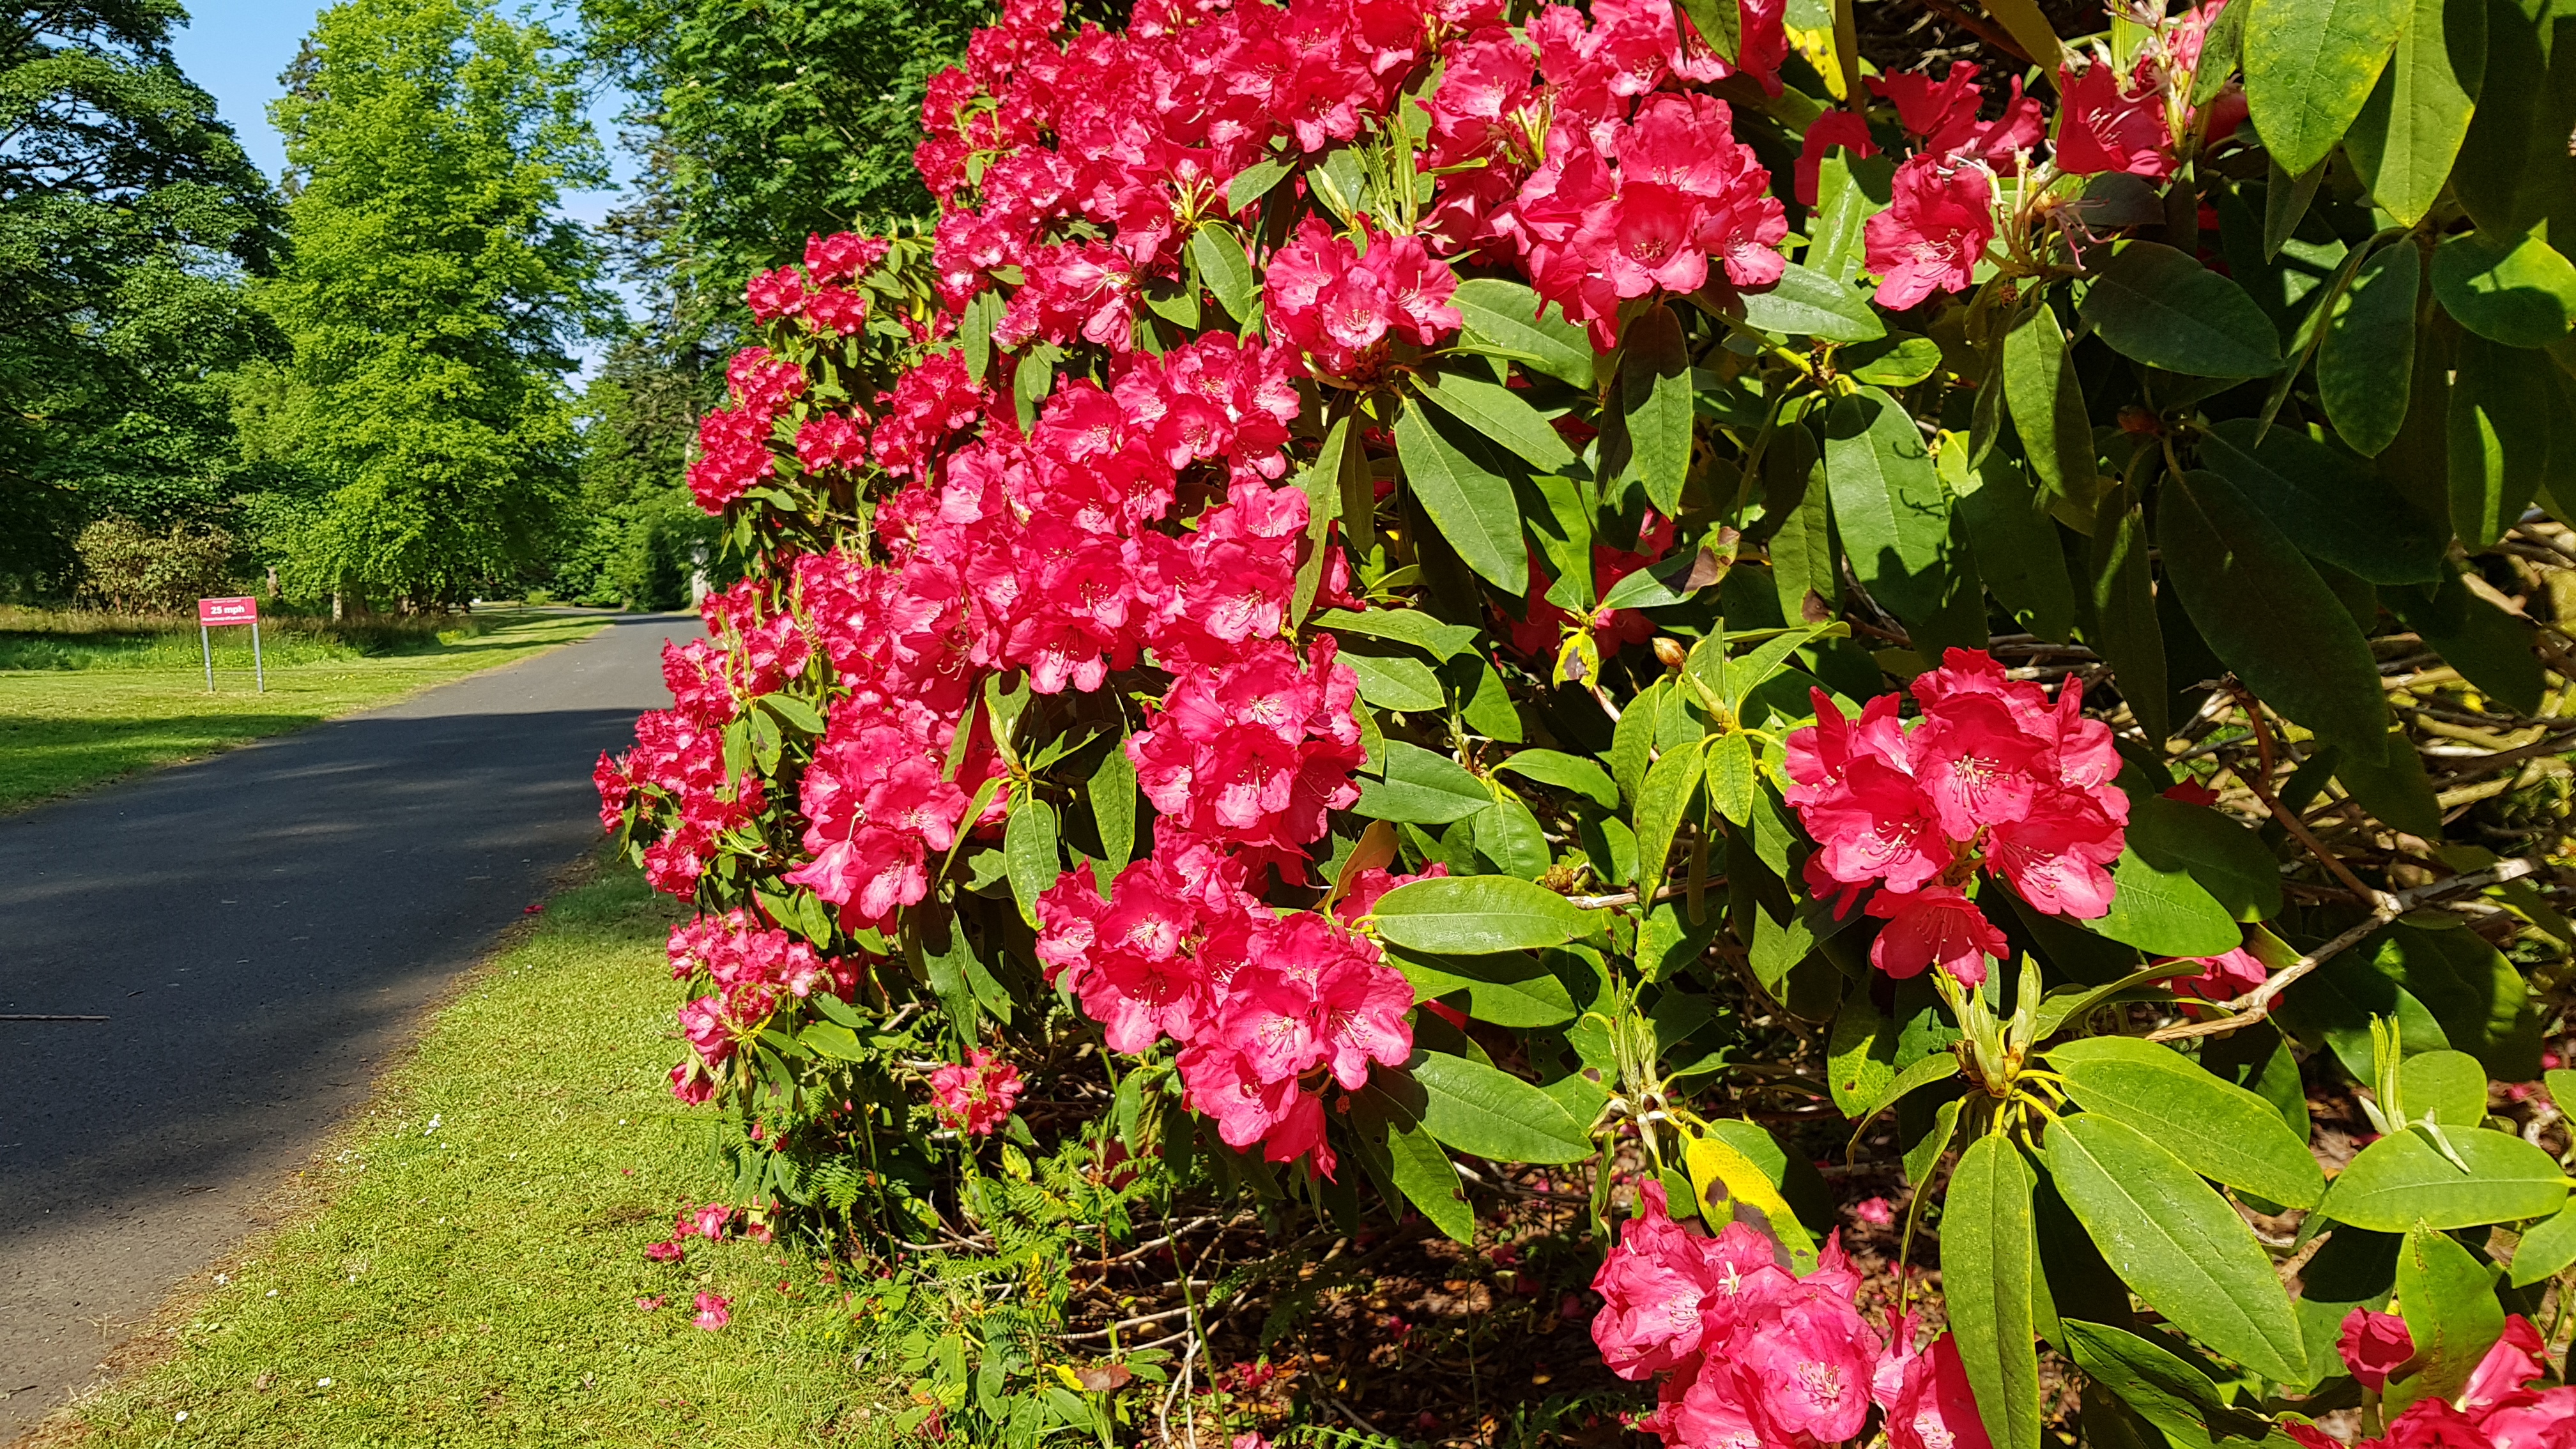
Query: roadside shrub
126	569
1405	629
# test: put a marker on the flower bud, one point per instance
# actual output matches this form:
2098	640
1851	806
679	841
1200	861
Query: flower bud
1669	651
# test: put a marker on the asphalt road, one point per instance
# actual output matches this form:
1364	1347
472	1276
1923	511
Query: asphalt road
262	930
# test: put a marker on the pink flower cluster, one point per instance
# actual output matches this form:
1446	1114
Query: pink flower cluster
1270	1010
1994	776
2498	1409
977	1095
1748	1356
1339	307
754	971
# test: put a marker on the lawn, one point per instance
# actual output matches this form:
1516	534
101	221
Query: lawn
474	1278
81	704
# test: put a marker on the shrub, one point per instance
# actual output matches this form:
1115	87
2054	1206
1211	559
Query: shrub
126	569
2029	674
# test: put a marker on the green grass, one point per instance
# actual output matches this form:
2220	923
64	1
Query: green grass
81	703
474	1282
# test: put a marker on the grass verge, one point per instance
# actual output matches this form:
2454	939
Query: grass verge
474	1276
99	705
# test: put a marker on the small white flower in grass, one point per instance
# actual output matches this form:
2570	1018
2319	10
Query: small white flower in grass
180	1418
272	1292
321	1383
434	1119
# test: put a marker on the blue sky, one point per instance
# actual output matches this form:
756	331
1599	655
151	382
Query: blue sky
237	48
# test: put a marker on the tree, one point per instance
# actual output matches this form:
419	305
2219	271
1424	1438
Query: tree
638	538
128	214
432	303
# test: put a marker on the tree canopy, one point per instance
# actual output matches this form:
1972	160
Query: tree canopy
433	302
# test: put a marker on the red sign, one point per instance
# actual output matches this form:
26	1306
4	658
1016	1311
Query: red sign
228	611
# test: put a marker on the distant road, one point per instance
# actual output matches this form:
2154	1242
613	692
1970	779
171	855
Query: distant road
261	929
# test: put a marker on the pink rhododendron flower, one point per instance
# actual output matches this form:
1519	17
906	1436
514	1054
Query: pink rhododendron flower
665	1252
2223	977
2373	1346
714	1312
1846	129
2103	126
1933	232
978	1096
1926	1395
1996	777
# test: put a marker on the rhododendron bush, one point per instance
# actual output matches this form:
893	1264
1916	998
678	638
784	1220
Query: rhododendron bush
1409	607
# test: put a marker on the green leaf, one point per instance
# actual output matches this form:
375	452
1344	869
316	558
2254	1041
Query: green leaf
1254	182
2309	68
2545	1249
2160	1386
1675	580
2517	291
1720	23
2047	404
975	333
2227	859
1565	772
2401	1179
2394	789
1405	626
1900	359
2334	506
1514	990
1394	682
2123	628
2218	1129
1859	1053
1924	1157
831	1039
2498	431
1477	914
2158	306
2176	1242
1497	412
2018	554
1730	776
1655	403
1112	790
1988	1256
1029	854
1483	1111
2164	912
2514	171
2490	648
1807	303
1421	788
1939	1066
2366	363
1227	271
1507	316
1849	191
1889	505
2484	1006
2266	614
2449	1302
2411	128
1662	804
1457	481
2451	1085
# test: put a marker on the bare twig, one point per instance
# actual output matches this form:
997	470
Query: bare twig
2256	1004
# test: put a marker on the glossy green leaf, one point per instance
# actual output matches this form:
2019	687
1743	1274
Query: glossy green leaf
2402	1179
2160	1386
1675	580
1481	1110
1730	776
1808	303
1655	403
1456	479
2514	171
2164	912
2310	65
1509	841
2122	626
2546	1249
1565	772
1421	788
2218	1129
1632	741
2266	614
1254	182
1507	316
2451	1085
2367	359
2395	788
1422	1171
2516	291
1499	413
2498	437
1900	359
1029	854
1988	1258
2158	306
1860	1053
2449	1302
1512	989
1227	271
1477	914
1392	681
1404	626
2410	130
1849	191
1112	790
2333	506
2227	859
2480	998
1663	802
2491	648
1889	505
2047	404
2176	1242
